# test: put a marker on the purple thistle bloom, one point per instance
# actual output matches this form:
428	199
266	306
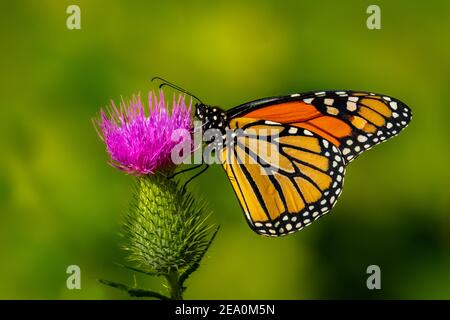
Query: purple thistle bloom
141	144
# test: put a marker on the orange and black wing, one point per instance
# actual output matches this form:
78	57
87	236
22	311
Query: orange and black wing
287	163
352	121
284	177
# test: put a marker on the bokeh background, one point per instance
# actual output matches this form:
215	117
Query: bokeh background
61	204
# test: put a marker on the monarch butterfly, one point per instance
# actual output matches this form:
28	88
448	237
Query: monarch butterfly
317	134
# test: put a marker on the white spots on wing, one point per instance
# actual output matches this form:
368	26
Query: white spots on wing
387	98
319	94
271	122
346	151
328	101
354	99
325	143
309	100
293	130
295	95
362	138
288	227
393	105
395	114
389	125
351	106
307	132
349	142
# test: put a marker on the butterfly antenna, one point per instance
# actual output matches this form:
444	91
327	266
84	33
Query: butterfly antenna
174	86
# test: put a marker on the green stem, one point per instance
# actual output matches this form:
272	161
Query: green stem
175	288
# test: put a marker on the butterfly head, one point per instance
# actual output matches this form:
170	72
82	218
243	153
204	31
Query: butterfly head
211	116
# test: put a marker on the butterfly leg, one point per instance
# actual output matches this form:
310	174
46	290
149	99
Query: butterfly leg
185	170
195	175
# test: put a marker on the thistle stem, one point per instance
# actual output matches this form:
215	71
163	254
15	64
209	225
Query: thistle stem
175	288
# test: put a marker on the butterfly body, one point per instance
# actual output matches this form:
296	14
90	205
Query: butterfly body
314	135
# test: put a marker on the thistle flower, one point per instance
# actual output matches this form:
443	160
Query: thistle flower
140	144
166	228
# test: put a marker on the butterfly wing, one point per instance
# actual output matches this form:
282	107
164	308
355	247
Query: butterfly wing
352	121
314	135
284	177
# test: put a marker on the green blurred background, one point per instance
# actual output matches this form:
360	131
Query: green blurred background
61	204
